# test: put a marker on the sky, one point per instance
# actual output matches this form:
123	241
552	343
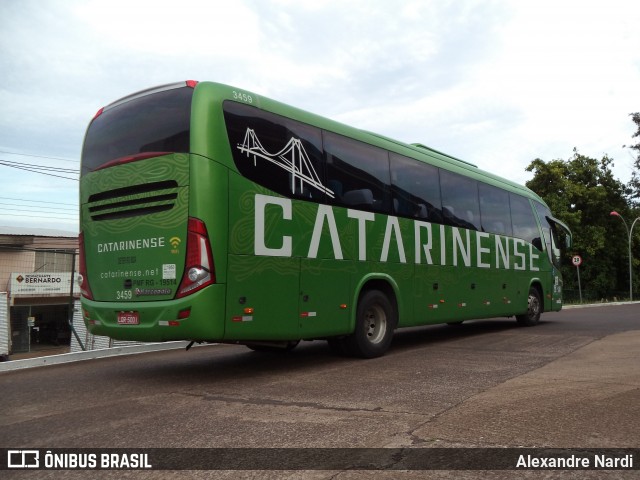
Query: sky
496	83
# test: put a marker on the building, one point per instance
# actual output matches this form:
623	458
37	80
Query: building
38	293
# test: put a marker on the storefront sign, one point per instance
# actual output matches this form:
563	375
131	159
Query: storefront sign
41	283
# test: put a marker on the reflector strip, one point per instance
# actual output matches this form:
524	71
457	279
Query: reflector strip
169	323
244	318
463	304
308	314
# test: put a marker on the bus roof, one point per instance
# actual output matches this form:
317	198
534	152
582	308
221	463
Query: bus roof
416	151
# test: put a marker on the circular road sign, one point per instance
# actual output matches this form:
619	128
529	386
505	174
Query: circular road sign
576	260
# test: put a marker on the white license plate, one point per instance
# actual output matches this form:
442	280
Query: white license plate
128	318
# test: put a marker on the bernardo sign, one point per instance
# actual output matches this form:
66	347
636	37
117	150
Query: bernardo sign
41	283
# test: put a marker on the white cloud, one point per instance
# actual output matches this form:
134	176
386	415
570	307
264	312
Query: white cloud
497	83
161	28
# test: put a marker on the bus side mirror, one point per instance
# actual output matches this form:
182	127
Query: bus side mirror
568	236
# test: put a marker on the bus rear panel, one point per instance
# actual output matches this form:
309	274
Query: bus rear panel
148	269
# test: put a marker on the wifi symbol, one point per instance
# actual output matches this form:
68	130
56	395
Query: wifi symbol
175	242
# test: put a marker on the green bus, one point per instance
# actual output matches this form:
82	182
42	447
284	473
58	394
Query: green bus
212	214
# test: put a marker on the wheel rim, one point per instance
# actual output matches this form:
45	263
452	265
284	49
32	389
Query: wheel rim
375	324
534	306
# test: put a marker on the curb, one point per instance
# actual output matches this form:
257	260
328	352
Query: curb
594	305
89	355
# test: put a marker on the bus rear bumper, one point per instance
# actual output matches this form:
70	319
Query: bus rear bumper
197	317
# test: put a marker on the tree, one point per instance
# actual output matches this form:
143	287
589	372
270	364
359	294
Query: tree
634	184
582	191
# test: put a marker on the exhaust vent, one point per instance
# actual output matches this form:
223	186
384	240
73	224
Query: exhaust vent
133	201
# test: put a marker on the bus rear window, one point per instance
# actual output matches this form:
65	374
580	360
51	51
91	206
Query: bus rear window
156	122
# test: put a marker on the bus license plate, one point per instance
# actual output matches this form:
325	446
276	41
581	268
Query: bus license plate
128	318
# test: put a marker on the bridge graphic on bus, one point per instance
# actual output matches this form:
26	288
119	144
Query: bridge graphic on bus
293	158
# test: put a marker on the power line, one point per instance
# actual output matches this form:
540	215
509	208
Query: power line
51	210
40	156
36	216
38	201
40	169
61	211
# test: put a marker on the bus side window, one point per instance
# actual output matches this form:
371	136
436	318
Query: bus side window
361	170
494	210
549	233
416	189
460	197
524	221
280	154
362	198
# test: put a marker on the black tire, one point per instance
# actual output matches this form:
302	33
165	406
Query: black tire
534	309
376	318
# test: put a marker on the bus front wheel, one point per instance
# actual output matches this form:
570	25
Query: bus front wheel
534	309
375	321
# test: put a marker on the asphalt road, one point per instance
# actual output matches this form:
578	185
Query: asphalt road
572	381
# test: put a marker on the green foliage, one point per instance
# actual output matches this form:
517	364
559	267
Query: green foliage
634	184
582	192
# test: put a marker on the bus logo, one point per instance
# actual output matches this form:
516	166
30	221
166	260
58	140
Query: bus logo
293	158
175	243
23	459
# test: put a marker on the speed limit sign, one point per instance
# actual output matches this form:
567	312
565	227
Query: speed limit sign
577	261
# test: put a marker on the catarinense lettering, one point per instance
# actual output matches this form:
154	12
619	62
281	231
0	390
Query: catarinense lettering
456	245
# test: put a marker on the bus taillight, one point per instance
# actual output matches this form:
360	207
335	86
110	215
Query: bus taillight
199	269
83	280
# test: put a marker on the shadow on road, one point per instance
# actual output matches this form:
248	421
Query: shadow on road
227	363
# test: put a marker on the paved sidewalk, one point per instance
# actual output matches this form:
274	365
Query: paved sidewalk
588	398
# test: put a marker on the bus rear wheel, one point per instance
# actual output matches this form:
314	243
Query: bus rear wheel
534	309
375	322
